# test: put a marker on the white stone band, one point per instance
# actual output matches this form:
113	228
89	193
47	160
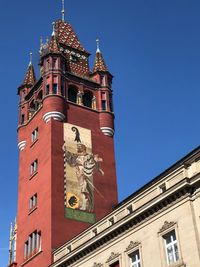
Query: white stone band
56	115
21	145
107	131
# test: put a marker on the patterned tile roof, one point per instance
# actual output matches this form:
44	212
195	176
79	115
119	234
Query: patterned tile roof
30	77
53	45
67	36
99	64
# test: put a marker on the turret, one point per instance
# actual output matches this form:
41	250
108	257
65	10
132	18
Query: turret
104	77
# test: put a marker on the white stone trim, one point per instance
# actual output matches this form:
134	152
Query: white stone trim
56	115
107	131
21	145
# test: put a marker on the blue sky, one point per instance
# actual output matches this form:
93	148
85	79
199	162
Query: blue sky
153	50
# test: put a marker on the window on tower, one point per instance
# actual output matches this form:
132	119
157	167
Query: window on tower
47	89
87	99
32	245
34	135
22	118
55	88
34	167
33	202
72	94
103	104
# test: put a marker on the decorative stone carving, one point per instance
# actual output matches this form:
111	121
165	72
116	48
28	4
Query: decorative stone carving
113	256
56	115
21	145
166	226
107	131
97	264
132	245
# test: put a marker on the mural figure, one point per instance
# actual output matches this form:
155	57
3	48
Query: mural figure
85	165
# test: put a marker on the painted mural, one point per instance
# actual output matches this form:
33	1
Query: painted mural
80	166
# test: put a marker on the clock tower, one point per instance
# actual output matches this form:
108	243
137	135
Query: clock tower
67	176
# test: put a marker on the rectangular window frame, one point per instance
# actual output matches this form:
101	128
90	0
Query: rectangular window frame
34	167
32	245
162	234
33	202
132	248
34	135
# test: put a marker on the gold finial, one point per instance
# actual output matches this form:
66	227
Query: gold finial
30	56
98	49
63	10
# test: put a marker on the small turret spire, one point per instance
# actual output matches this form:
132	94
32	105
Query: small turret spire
99	63
63	10
30	77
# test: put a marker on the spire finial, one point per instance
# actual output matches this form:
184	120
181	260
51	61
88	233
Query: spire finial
63	10
30	55
98	49
53	32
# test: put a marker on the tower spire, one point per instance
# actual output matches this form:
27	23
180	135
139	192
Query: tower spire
31	57
63	10
98	49
99	63
53	32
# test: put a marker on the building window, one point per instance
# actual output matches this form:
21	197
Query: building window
171	247
87	99
33	202
32	245
103	103
72	94
47	89
55	88
34	135
135	259
34	167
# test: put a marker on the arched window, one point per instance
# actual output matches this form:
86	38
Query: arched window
72	94
87	99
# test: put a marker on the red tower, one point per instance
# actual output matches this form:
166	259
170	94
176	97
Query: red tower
67	177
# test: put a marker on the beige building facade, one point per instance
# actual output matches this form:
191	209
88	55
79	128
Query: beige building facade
157	226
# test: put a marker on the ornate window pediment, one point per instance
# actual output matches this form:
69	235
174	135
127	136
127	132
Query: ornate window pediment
166	226
97	264
112	256
132	245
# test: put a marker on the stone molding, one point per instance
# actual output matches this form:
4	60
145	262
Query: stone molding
112	256
21	145
56	115
107	131
166	226
132	245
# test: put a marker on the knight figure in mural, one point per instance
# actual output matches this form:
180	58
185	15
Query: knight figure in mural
85	165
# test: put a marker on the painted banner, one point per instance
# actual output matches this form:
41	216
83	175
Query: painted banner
80	166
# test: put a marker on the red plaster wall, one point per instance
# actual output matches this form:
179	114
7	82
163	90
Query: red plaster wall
48	183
